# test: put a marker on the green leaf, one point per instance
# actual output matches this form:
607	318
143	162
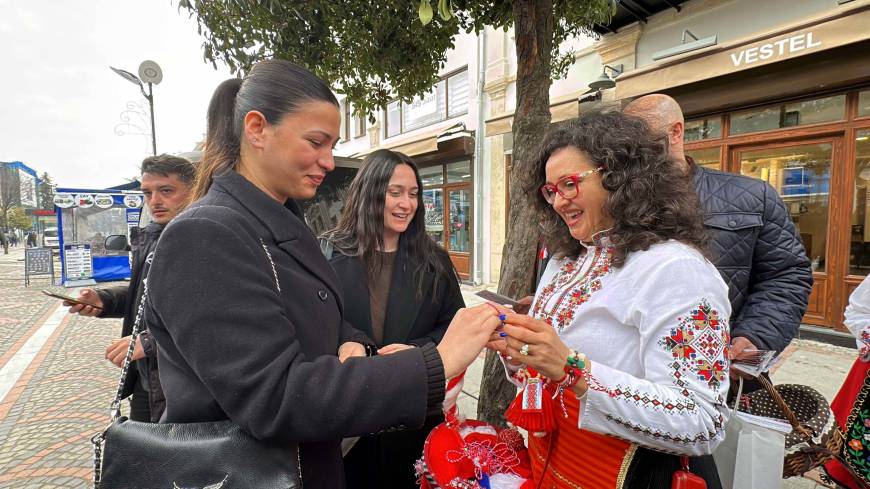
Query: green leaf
444	9
425	12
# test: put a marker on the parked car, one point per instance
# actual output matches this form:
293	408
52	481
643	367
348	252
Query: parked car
49	238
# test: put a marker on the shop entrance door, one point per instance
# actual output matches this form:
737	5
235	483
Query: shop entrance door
802	174
459	229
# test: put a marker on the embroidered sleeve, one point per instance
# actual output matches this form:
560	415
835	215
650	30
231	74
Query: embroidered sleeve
681	309
857	318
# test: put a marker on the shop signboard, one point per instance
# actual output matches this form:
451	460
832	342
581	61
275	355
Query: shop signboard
38	261
78	265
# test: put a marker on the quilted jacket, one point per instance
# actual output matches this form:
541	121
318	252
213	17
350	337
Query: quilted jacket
756	248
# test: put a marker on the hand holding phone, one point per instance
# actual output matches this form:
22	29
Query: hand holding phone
70	299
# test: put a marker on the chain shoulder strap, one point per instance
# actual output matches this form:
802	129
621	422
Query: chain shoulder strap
115	409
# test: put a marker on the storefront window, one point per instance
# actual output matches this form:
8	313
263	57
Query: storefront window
432	175
457	94
864	104
394	119
447	202
788	115
460	218
700	129
433	201
707	157
447	99
802	175
323	210
459	171
859	249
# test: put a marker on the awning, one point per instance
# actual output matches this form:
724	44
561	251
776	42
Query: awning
411	147
560	111
847	25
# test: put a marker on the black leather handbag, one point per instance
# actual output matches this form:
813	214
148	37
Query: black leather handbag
214	455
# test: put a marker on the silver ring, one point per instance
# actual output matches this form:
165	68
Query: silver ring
524	350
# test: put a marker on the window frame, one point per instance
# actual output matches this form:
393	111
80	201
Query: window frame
445	116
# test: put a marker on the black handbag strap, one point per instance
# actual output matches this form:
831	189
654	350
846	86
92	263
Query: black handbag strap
115	410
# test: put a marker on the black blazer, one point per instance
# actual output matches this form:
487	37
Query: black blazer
232	346
409	319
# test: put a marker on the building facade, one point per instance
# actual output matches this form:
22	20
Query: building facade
778	90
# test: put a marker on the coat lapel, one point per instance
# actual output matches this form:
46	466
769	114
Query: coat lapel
286	223
403	304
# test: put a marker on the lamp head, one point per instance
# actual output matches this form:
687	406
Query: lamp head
603	82
127	76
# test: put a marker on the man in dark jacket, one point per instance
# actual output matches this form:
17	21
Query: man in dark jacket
753	241
166	184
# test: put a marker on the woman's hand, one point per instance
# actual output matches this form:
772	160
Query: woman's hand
546	352
393	348
469	331
350	349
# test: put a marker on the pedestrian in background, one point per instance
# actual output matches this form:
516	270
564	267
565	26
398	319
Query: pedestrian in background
166	185
400	289
753	243
248	314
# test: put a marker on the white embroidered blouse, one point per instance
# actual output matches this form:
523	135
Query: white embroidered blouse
858	318
656	332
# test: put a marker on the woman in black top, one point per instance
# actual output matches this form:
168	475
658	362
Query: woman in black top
400	288
247	312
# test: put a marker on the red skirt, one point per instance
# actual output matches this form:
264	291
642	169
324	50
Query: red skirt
851	409
576	458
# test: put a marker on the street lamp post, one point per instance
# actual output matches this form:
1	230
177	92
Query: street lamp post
150	73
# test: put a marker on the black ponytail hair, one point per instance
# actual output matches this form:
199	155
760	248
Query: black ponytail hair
274	88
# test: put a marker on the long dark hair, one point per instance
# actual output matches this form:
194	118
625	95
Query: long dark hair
275	88
360	229
650	198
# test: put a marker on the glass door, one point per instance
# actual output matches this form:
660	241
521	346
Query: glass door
459	230
801	173
433	201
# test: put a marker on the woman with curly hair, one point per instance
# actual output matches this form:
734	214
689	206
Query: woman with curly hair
623	357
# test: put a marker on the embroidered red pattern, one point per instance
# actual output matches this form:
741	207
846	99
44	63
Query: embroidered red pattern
575	288
699	344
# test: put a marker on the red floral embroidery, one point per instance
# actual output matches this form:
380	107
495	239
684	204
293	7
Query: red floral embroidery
699	344
575	289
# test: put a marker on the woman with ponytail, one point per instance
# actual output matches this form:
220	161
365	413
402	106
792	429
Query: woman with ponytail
247	313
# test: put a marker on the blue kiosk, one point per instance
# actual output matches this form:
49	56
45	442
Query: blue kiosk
85	218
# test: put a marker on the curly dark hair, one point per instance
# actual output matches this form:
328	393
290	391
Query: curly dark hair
650	199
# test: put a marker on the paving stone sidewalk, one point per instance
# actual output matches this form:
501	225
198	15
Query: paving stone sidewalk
61	399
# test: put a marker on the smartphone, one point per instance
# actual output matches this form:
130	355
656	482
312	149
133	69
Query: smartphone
70	299
497	298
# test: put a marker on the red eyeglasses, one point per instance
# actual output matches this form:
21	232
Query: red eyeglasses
567	187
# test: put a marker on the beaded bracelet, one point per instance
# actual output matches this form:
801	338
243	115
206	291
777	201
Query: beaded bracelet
576	360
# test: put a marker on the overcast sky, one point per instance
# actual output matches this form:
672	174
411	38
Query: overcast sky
60	103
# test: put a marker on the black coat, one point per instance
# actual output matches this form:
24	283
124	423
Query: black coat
123	302
758	252
232	346
387	460
409	319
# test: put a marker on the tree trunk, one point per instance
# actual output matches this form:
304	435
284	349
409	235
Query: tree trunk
533	31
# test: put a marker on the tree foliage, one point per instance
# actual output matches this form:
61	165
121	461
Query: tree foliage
374	52
46	192
17	218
